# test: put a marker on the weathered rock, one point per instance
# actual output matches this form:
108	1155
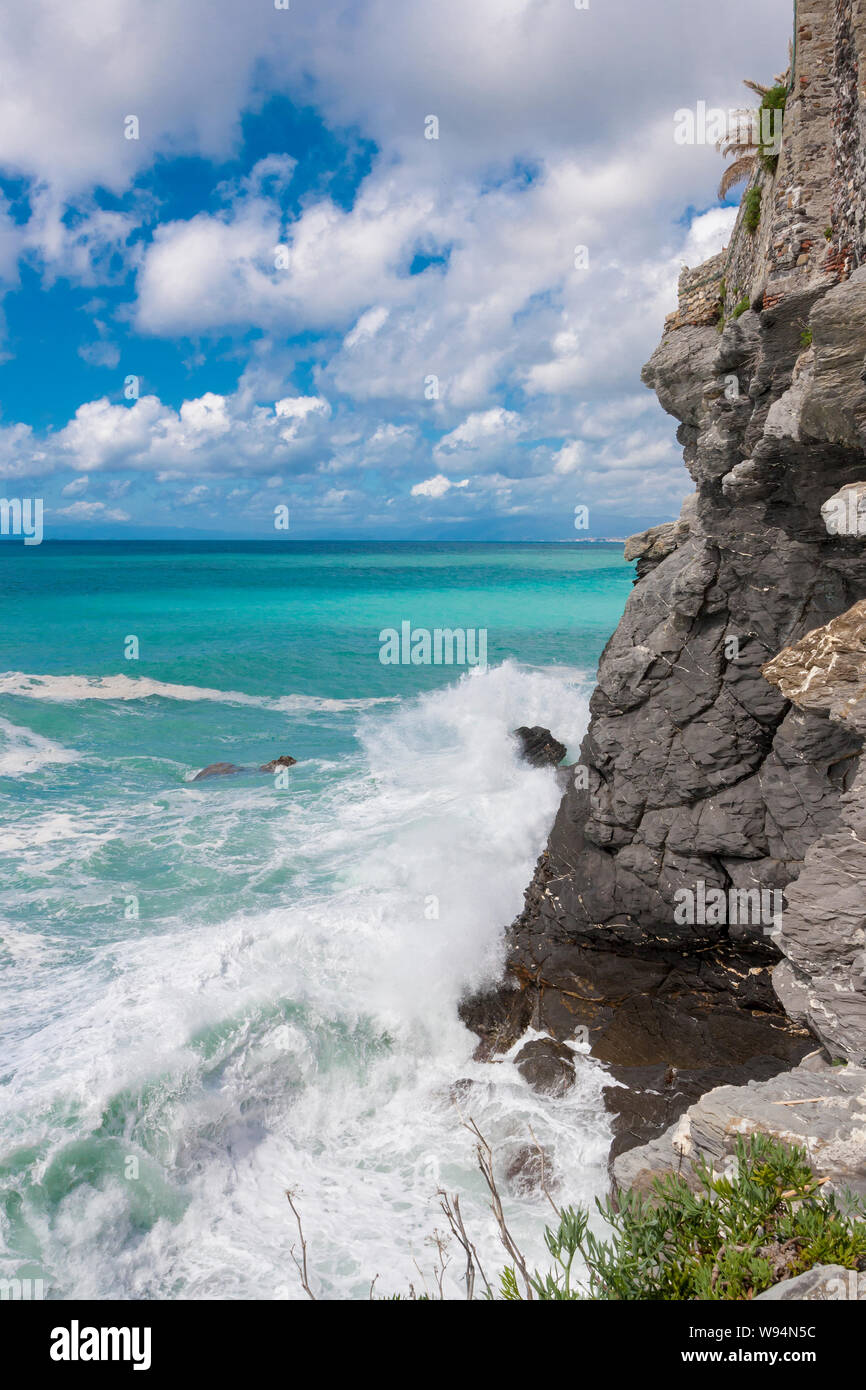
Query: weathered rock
821	1283
699	770
217	770
650	1099
826	669
547	1065
284	761
539	747
822	981
827	1119
652	546
845	512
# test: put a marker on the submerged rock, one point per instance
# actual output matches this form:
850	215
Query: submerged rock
284	761
539	747
217	770
547	1065
530	1171
229	769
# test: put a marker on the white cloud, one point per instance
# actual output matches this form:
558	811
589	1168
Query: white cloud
91	511
76	487
100	354
569	458
368	326
437	486
550	136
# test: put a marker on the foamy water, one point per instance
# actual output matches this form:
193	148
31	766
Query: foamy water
292	1026
65	689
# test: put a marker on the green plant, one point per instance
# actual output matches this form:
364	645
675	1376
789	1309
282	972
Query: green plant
772	101
828	232
806	338
752	210
742	306
731	1239
753	139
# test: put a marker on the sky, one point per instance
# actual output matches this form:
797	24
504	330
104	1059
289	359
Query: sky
361	269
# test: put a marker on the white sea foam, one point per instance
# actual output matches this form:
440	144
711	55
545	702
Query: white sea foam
70	689
22	751
314	1044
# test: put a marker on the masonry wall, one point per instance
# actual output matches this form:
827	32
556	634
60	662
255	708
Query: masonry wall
812	232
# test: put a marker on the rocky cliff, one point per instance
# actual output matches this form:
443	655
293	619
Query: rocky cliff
715	822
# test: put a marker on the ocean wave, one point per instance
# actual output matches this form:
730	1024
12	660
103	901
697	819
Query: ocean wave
71	689
308	1037
22	751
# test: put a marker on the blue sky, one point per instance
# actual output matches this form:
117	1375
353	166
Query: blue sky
284	294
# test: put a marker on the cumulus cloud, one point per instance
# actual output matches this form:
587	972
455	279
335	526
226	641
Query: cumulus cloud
91	511
507	358
437	486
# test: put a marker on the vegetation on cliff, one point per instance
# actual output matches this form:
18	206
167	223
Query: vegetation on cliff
731	1239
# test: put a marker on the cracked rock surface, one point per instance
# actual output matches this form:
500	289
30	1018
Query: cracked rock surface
697	769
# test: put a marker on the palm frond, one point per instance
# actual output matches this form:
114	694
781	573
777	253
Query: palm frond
739	149
735	173
755	87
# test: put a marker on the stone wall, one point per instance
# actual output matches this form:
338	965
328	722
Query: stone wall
699	294
848	218
812	231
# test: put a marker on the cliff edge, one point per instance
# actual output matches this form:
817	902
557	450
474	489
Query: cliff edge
672	895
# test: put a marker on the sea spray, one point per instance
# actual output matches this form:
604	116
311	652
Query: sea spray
309	1042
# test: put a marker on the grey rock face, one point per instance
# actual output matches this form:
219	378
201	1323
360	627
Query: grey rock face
845	512
697	767
651	546
822	981
823	1112
697	772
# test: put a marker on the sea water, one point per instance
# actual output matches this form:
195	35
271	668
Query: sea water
215	991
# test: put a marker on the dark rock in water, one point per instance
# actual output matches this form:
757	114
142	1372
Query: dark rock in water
284	761
530	1171
539	747
461	1089
217	770
499	1016
547	1065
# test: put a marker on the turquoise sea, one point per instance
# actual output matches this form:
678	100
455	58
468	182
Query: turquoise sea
214	991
